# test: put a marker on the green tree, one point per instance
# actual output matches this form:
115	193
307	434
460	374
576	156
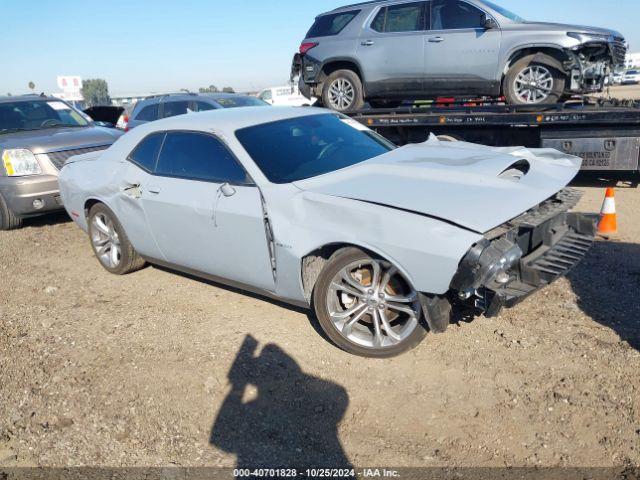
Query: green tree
209	89
228	90
95	92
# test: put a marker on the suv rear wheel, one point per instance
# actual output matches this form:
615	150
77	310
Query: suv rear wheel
342	91
531	82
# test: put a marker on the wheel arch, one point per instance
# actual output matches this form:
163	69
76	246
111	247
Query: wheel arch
312	264
341	63
556	53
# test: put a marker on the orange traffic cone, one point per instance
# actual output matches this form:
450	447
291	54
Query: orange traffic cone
608	220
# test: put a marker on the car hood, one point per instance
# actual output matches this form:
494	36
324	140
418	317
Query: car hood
54	139
462	183
562	27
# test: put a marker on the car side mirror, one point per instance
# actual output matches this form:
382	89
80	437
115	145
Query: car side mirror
489	24
227	190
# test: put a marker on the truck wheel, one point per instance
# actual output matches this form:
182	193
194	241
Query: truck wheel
342	91
366	307
110	242
8	220
533	80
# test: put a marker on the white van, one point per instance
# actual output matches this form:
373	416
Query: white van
286	96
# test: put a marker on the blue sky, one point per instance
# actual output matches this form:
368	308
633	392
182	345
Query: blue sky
158	46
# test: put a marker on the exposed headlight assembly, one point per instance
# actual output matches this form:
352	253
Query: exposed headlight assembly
19	162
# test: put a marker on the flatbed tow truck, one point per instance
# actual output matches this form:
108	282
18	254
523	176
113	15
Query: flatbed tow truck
605	133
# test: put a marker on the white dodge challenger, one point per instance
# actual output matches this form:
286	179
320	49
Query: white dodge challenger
309	207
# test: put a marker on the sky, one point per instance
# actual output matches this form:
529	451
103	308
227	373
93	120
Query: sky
155	46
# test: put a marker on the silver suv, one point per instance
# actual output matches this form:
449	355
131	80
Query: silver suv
387	51
37	135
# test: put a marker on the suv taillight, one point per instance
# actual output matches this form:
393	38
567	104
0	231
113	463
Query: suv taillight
305	47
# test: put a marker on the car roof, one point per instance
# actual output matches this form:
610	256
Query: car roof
27	98
228	120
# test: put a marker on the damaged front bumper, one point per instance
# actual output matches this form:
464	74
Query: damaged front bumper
524	255
595	59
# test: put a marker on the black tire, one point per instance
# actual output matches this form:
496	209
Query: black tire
321	293
8	220
130	261
354	81
542	61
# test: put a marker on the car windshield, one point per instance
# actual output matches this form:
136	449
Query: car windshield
504	12
38	114
304	147
240	101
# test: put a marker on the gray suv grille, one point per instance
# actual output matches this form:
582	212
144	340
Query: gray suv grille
619	48
59	158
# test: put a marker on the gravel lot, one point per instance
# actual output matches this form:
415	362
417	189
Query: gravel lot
134	371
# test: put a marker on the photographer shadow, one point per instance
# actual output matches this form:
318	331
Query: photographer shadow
276	416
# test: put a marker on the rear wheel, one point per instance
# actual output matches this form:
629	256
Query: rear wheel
110	243
8	220
342	91
366	306
531	82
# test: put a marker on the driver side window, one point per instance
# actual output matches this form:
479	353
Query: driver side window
455	14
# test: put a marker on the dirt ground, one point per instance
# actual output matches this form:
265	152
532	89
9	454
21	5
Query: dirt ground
135	371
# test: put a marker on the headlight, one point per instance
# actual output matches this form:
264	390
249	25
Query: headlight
19	162
584	37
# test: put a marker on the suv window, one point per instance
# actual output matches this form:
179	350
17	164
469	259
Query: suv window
171	109
146	153
455	14
406	17
198	156
148	113
203	106
333	24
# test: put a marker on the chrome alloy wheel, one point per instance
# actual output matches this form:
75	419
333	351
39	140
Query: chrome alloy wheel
341	94
372	305
105	240
534	84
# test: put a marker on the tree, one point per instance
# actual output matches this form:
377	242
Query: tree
32	86
228	90
209	89
95	92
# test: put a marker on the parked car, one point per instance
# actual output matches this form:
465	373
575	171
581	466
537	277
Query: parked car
170	105
312	208
617	78
631	77
105	115
285	96
123	120
37	135
387	51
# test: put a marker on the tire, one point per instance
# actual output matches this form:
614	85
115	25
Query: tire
8	220
552	81
347	83
356	333
125	259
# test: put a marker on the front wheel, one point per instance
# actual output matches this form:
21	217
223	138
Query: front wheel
8	220
366	306
110	243
533	82
342	91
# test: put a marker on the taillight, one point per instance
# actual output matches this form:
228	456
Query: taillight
305	47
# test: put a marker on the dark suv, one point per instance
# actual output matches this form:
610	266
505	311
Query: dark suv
387	51
170	105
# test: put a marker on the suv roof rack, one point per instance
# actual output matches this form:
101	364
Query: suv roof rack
361	4
160	95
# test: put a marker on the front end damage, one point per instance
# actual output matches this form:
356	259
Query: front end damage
522	256
593	60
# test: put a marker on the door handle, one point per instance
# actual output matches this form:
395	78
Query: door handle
436	40
367	43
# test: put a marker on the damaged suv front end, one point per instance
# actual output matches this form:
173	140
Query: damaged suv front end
594	58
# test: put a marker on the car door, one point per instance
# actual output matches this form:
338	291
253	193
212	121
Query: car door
391	50
461	56
135	177
205	213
